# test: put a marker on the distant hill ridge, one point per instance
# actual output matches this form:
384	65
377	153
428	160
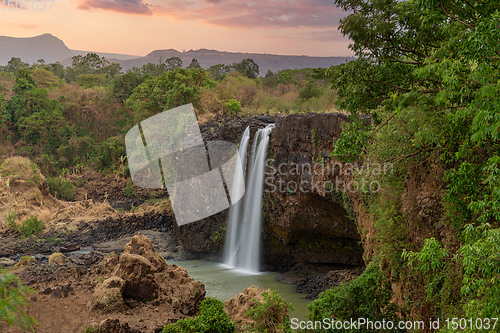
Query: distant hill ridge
52	49
207	58
31	49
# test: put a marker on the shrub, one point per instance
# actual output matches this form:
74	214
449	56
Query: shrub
12	302
271	314
11	219
310	90
366	297
61	189
129	189
31	226
211	318
218	236
109	153
233	107
91	80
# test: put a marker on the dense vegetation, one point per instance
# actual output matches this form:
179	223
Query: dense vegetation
428	74
68	118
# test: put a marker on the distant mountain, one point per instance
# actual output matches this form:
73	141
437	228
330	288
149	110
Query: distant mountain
46	47
207	58
52	49
110	56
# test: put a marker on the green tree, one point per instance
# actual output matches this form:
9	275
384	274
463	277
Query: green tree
366	297
15	64
152	69
36	118
123	85
427	72
211	319
219	71
247	67
194	64
173	63
169	90
57	69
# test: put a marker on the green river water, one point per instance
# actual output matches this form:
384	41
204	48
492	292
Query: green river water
223	283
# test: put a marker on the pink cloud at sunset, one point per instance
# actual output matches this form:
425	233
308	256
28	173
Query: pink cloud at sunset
300	27
259	13
121	6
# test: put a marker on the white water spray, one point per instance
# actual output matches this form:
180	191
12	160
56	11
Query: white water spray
242	249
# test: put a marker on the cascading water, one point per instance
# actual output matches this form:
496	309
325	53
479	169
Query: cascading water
242	250
231	246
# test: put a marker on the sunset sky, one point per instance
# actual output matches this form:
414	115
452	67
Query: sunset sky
137	27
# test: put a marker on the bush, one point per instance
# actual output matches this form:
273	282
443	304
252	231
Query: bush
31	226
12	301
129	189
109	153
211	318
271	315
91	80
366	297
11	219
310	90
233	107
61	189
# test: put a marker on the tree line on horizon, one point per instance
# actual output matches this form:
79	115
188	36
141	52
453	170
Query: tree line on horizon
99	69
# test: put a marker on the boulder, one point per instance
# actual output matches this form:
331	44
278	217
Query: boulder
26	260
6	262
56	259
141	245
109	262
137	271
108	295
114	326
180	290
238	306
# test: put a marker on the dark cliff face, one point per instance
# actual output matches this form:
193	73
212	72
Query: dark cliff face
303	219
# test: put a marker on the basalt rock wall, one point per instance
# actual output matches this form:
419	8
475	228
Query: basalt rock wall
306	220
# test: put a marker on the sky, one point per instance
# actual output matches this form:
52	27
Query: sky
137	27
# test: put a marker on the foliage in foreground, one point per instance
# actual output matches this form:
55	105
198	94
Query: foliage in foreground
12	300
428	74
211	318
271	314
367	297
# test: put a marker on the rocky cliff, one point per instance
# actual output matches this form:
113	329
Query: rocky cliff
304	215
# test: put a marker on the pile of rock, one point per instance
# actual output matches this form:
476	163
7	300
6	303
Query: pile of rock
141	275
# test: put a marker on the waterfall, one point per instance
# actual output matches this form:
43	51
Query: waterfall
242	249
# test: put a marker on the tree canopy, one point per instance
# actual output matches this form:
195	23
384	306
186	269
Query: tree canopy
428	74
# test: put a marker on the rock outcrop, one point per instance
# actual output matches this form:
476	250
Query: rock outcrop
304	220
238	306
142	275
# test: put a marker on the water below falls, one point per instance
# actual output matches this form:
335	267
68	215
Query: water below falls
242	249
223	283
